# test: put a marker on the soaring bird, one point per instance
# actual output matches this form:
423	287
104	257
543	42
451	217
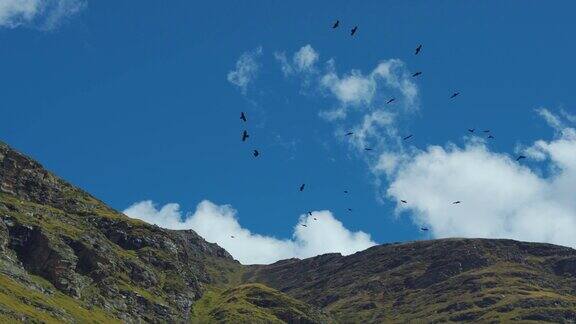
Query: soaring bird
454	95
390	101
456	202
486	131
302	187
256	153
417	74
310	213
345	191
367	149
404	201
245	136
349	133
349	209
418	49
304	225
490	136
315	218
407	137
424	228
353	31
232	236
520	157
336	24
243	116
471	130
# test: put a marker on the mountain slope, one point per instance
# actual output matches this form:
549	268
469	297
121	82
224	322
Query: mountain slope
441	280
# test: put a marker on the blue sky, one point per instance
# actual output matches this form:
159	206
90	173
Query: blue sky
131	102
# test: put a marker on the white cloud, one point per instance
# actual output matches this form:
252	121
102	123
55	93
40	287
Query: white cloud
501	198
218	223
303	61
246	69
43	14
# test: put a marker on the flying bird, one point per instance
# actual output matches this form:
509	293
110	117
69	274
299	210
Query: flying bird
456	202
418	49
390	101
490	136
315	218
232	236
349	133
424	228
404	201
520	157
336	24
486	131
353	31
407	137
304	225
310	213
416	74
345	191
256	153
454	95
243	116
471	130
302	187
367	149
349	209
245	136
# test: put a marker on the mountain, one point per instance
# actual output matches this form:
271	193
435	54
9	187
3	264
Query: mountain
67	257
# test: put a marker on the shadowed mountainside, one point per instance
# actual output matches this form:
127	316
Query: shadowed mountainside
67	257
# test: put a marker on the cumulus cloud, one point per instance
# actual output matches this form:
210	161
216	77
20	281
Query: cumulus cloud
501	198
218	224
303	61
246	70
43	14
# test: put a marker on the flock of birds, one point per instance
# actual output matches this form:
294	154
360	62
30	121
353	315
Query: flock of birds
417	51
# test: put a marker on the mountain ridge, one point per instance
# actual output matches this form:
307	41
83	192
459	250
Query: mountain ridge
65	256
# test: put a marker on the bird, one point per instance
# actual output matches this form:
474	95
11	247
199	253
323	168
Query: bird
390	101
304	225
256	153
353	31
454	95
417	74
404	201
310	213
245	136
486	131
349	133
345	191
367	149
424	228
315	218
471	130
232	236
336	24
243	116
418	49
407	137
456	202
520	157
490	136
349	209
302	187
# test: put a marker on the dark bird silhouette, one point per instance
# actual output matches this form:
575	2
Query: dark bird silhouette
404	201
471	130
408	137
315	218
232	236
349	133
245	136
390	101
353	31
310	213
256	153
454	95
336	24
243	116
520	157
304	225
424	229
490	136
486	131
418	49
456	202
345	191
349	209
302	187
417	74
367	149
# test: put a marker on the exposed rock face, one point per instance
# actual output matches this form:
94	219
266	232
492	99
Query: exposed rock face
67	257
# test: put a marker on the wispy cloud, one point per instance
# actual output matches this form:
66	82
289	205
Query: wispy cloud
246	69
42	14
303	61
322	234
